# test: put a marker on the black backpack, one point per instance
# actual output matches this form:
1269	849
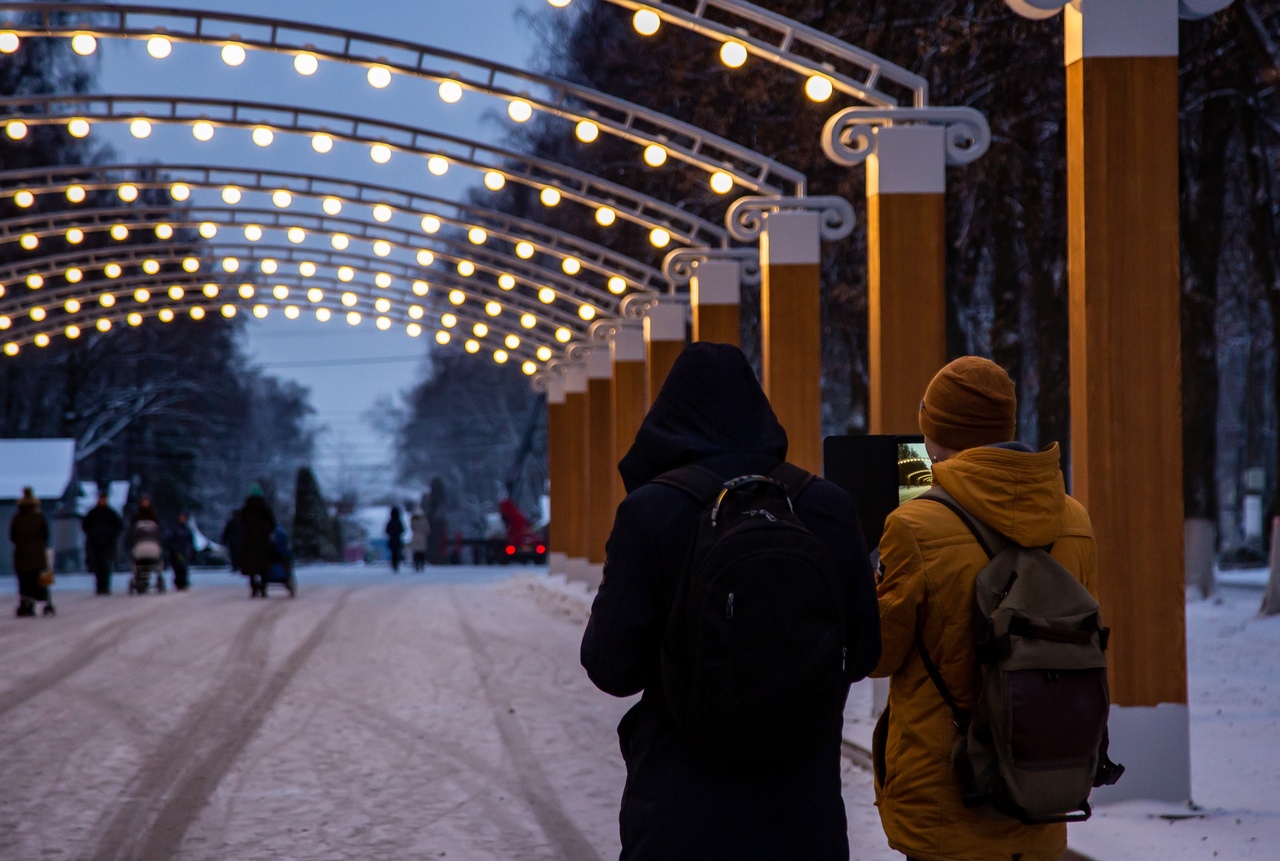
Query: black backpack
754	653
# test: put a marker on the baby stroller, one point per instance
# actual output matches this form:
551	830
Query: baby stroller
148	558
281	570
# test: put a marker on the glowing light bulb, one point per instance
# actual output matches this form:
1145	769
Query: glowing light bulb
29	241
252	232
103	325
382	248
259	311
529	369
24	199
176	293
382	306
16	129
563	335
208	230
438	165
655	156
164	232
721	182
340	241
119	233
512	342
306	269
353	318
571	265
466	268
296	235
72	306
383	323
506	282
263	136
306	63
35	281
500	356
605	216
197	313
231	195
477	236
179	192
494	181
380	153
151	267
84	44
140	128
430	224
383	280
493	309
210	290
346	274
382	213
246	291
228	311
9	42
416	312
528	321
128	193
323	315
546	295
282	199
202	131
233	54
818	88
41	340
159	47
75	236
230	264
78	128
141	295
74	276
379	77
331	205
587	131
733	54
448	320
413	330
112	270
457	297
659	237
617	285
544	353
587	312
550	196
73	332
450	92
291	312
519	110
315	294
421	288
472	346
191	264
321	142
646	22
442	338
165	315
106	300
425	258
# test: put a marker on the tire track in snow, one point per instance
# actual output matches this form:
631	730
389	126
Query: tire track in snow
539	794
81	655
178	777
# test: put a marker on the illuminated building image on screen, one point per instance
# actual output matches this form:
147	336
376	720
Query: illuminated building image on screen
915	472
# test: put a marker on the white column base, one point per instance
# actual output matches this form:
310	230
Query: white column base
594	575
1154	746
576	572
557	563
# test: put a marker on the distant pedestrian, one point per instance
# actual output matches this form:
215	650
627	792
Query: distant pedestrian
420	540
395	538
182	551
733	751
233	540
258	524
146	545
102	527
29	532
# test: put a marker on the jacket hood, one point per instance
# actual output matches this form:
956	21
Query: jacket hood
711	404
1019	494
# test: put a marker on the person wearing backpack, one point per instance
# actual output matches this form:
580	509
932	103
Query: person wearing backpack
742	637
936	639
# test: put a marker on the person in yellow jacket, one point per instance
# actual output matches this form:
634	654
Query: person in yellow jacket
929	562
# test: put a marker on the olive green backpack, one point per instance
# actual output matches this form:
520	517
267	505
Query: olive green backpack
1035	742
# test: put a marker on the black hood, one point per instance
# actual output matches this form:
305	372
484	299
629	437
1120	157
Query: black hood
711	404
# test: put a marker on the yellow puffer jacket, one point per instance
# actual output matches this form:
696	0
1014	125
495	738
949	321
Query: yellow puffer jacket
930	562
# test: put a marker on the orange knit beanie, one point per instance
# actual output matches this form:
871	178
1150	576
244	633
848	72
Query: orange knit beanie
970	403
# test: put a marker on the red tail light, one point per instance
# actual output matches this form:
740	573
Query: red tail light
541	549
511	550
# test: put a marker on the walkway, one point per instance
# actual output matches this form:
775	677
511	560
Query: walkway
421	716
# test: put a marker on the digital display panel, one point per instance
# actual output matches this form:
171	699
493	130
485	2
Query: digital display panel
915	470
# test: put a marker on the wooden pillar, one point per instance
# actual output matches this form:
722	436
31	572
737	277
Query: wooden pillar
559	473
664	333
1123	254
907	262
791	329
577	436
600	459
716	294
629	399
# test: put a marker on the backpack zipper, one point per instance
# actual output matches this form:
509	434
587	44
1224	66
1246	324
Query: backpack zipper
728	610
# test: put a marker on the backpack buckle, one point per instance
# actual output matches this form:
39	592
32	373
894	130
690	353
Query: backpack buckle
743	481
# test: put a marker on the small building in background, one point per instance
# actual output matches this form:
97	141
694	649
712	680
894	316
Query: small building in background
48	467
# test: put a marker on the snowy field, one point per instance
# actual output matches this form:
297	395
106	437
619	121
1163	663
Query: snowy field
443	715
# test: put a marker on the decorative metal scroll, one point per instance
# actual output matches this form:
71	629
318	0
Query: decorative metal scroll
746	217
849	136
681	265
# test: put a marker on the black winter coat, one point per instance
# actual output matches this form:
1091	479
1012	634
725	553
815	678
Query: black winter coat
712	411
29	532
102	526
258	522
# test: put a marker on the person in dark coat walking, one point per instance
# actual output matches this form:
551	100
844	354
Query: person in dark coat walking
712	412
102	527
395	538
181	546
29	532
257	525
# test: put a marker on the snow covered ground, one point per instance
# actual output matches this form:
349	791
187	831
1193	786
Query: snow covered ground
444	715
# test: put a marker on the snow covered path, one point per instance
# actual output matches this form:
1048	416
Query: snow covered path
422	716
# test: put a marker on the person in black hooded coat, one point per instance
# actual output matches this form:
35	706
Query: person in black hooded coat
711	411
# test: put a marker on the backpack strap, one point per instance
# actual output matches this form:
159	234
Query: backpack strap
992	542
697	481
793	478
960	717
